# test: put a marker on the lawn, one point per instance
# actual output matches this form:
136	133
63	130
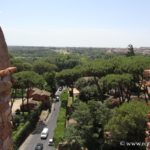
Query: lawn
59	131
61	121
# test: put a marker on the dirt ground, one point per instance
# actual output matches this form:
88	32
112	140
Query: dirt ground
18	102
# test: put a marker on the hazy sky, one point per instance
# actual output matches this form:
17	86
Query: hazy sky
95	23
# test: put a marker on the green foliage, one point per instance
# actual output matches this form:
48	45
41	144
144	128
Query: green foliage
29	79
128	122
94	73
66	61
59	131
97	68
51	81
64	95
21	64
133	65
88	93
61	121
25	129
41	67
115	80
21	134
87	131
83	82
28	52
68	76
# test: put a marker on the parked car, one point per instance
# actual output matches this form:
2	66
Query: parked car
50	142
44	133
57	98
60	88
39	146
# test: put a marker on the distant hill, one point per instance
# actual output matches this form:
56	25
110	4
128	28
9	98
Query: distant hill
80	50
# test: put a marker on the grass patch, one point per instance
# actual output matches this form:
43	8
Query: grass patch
69	104
59	131
64	98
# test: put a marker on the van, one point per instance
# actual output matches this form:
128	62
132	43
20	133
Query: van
44	133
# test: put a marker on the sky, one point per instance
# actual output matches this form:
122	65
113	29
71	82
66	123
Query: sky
76	23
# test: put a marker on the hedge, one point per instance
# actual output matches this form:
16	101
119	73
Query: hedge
25	129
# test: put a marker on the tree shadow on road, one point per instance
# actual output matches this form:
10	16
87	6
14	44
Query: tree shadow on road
39	127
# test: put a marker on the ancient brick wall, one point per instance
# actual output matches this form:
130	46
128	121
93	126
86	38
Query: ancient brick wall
5	88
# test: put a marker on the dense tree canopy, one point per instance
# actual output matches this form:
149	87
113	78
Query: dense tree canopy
41	67
67	61
128	122
121	83
90	119
29	79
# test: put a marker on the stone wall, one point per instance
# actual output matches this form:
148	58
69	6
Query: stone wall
5	89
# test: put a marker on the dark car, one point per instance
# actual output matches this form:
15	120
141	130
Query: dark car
39	146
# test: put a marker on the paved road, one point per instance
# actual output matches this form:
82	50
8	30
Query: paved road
34	138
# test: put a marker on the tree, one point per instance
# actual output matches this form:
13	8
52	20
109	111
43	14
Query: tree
88	131
88	93
130	50
83	82
120	83
21	64
68	77
67	61
128	123
26	80
51	81
41	67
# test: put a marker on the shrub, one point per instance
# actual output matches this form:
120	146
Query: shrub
128	122
25	129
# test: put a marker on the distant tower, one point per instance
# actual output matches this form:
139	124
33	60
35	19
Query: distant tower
5	88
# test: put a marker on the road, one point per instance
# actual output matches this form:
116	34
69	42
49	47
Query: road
34	138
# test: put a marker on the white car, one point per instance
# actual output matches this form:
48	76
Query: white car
57	98
50	142
44	133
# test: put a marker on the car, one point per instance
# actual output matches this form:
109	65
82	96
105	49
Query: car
39	146
57	98
60	89
50	142
44	133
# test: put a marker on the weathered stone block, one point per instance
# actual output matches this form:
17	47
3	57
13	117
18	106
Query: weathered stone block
4	106
4	61
5	86
4	99
7	145
0	119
